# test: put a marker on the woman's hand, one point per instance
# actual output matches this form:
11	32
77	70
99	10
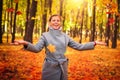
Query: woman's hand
100	43
19	42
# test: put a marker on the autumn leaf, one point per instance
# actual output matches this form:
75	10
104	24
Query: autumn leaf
111	20
10	9
18	12
16	1
51	48
16	64
108	12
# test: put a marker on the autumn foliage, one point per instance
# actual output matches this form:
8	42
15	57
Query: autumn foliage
102	63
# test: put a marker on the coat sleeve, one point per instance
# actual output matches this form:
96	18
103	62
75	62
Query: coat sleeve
78	46
37	47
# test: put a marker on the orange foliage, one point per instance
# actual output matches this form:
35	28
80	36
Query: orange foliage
18	12
10	9
16	1
99	64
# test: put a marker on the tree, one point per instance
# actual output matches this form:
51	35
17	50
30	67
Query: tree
50	6
93	22
107	37
27	18
61	7
30	27
81	28
75	31
115	31
11	16
1	8
108	31
44	14
14	25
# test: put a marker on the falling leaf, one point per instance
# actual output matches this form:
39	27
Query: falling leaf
16	1
108	12
37	17
18	12
10	9
51	48
111	20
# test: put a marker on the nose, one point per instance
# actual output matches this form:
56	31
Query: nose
56	21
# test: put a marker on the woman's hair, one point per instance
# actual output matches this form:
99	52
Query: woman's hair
53	16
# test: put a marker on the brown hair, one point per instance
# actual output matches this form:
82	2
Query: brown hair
53	16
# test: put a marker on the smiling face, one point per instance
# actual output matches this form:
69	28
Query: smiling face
55	22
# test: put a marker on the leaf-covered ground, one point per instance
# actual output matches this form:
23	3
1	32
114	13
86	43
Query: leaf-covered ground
102	63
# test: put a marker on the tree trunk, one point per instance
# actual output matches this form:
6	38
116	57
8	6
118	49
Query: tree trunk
14	25
1	8
114	38
76	29
27	18
44	16
30	27
50	6
101	29
11	18
108	31
93	26
61	7
86	23
80	41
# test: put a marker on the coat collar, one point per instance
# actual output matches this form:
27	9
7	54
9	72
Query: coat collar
55	32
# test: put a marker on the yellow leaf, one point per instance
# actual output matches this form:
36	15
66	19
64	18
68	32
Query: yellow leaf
51	48
33	18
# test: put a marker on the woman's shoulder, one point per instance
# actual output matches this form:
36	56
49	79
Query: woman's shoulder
44	33
66	35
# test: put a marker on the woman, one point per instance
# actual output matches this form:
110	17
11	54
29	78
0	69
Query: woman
55	64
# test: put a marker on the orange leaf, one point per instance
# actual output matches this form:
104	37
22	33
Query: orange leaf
10	10
51	48
18	12
16	1
111	20
108	12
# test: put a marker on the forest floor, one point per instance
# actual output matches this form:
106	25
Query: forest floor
102	63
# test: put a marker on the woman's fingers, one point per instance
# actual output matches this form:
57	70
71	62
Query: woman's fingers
21	42
101	43
16	42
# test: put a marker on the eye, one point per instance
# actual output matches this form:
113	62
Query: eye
53	20
58	20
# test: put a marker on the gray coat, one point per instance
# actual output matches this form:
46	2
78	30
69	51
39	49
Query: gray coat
55	64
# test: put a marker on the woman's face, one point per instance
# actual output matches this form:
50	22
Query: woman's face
55	22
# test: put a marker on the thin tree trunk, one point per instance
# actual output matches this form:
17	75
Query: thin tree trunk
75	31
108	31
11	17
114	38
27	18
86	24
14	25
61	7
80	41
1	8
93	28
101	28
8	26
44	16
50	6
